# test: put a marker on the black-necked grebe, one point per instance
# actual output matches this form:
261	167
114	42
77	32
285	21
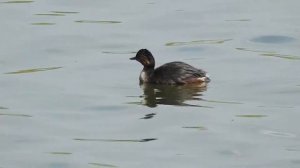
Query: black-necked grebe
169	73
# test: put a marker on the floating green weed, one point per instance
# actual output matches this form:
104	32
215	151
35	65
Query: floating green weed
135	103
18	1
43	23
32	70
220	41
64	12
271	54
290	57
98	21
116	140
50	14
219	101
195	127
102	165
252	115
60	153
258	51
56	13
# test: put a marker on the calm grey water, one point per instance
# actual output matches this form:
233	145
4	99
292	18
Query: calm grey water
69	95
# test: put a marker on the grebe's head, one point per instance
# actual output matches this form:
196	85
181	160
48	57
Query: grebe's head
145	57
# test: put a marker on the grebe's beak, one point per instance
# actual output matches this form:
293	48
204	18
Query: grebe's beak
133	58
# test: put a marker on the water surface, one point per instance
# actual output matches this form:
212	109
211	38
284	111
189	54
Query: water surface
70	95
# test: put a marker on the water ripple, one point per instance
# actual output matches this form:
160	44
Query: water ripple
214	41
102	165
273	39
278	134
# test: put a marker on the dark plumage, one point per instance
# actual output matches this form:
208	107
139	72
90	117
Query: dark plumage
169	73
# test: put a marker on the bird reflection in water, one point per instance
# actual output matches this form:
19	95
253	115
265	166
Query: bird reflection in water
172	94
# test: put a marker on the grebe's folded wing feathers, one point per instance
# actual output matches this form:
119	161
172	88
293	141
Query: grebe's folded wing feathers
176	73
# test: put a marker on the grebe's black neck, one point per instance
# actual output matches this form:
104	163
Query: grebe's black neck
146	74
